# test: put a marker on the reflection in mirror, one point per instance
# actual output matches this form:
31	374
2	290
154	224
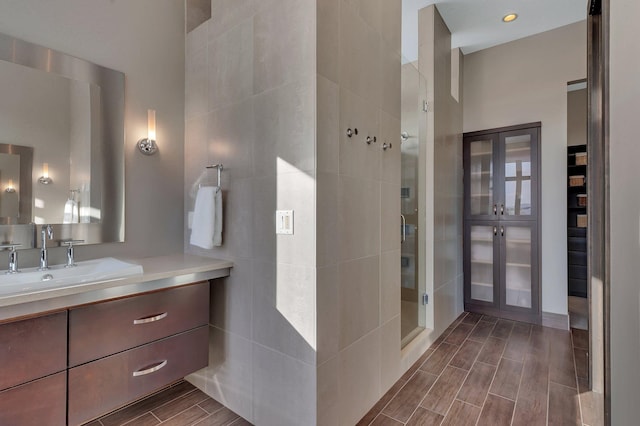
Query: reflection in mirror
15	184
69	114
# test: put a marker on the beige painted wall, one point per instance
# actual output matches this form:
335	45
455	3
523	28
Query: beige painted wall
115	34
624	151
577	117
250	105
526	81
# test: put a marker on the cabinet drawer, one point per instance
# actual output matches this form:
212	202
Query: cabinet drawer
106	328
101	386
37	403
32	348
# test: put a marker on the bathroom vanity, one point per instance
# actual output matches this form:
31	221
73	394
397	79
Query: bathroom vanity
70	355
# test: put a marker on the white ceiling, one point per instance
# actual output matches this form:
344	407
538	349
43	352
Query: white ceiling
477	24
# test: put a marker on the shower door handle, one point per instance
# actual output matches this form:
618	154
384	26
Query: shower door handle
404	228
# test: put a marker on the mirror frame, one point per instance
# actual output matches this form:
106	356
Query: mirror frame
110	147
25	183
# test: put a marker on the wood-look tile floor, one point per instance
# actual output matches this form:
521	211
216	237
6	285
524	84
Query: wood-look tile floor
488	371
179	405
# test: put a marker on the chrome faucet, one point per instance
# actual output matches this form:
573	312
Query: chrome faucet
47	231
13	257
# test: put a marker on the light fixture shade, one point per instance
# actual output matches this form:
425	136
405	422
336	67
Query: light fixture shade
148	146
45	179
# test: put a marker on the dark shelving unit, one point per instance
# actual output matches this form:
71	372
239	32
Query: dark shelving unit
576	232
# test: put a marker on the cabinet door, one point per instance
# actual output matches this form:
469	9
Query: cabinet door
519	267
481	264
481	176
518	184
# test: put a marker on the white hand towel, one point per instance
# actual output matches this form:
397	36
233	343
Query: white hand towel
206	230
70	212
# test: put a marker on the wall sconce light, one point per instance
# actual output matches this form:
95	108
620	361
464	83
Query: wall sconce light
45	179
10	189
148	146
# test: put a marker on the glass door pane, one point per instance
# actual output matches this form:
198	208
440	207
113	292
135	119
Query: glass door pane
481	200
410	322
517	175
518	278
482	267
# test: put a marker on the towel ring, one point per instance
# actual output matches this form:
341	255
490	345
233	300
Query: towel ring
220	168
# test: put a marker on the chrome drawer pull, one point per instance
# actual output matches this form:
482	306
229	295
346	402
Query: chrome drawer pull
151	319
150	370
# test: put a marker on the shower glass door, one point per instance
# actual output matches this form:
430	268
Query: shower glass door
412	310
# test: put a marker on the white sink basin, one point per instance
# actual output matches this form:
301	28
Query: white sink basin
31	280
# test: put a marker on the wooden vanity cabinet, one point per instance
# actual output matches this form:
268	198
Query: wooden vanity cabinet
36	403
73	366
106	328
33	378
122	350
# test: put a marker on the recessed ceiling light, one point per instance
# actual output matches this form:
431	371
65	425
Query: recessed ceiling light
510	17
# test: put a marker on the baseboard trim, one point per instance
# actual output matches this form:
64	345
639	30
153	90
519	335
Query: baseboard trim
552	320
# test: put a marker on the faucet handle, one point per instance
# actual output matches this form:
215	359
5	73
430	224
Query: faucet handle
70	252
11	246
13	257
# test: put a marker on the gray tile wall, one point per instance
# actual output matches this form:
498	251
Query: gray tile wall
358	206
250	105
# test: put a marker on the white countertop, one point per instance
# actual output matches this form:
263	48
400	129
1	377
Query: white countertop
159	273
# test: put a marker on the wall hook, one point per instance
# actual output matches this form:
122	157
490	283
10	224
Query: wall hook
386	146
350	132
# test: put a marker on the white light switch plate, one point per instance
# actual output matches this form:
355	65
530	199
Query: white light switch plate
284	222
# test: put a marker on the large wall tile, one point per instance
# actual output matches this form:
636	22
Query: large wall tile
231	66
358	159
284	309
296	191
359	378
327	232
231	304
359	218
196	39
390	353
359	51
327	126
284	43
328	39
391	15
390	80
328	313
228	14
390	216
229	376
389	285
230	140
359	292
264	225
285	129
284	391
196	81
390	161
328	376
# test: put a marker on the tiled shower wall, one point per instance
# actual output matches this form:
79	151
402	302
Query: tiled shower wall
250	105
358	206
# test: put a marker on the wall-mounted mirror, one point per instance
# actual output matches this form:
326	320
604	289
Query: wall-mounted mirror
61	146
